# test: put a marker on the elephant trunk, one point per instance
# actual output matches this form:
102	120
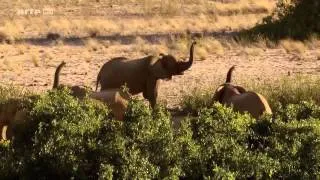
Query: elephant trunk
186	65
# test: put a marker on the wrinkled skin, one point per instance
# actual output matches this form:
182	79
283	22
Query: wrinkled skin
114	98
11	115
142	75
240	99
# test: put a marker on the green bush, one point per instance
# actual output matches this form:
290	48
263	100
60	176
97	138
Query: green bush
222	139
71	139
298	19
229	145
68	138
197	100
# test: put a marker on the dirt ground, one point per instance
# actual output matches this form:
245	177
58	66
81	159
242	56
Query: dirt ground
34	68
30	63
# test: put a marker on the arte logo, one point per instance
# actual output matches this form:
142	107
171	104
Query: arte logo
35	12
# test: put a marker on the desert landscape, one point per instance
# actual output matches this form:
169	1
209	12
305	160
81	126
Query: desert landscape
91	33
246	106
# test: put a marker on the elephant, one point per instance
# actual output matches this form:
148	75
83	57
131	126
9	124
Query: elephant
240	99
114	98
76	91
12	114
142	75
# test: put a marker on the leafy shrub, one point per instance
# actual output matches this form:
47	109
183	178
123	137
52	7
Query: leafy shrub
294	144
61	138
302	111
231	145
197	100
277	149
9	163
298	19
68	138
221	136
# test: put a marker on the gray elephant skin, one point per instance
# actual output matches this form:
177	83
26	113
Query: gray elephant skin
142	75
240	99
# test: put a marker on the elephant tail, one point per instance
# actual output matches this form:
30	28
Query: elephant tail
229	74
57	75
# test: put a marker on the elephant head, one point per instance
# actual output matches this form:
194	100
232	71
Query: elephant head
166	66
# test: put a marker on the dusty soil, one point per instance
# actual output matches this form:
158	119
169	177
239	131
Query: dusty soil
32	67
31	62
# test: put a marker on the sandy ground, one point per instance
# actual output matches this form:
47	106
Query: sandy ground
32	67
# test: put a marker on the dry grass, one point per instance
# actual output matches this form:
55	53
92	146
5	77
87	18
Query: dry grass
318	55
293	46
313	42
8	64
252	51
208	46
21	49
10	31
213	46
146	7
87	57
244	6
141	45
81	26
92	44
35	60
137	17
204	47
60	26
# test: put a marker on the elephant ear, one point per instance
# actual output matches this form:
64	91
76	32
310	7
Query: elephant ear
240	89
218	94
157	69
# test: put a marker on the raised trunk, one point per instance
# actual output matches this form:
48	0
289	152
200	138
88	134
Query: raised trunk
186	65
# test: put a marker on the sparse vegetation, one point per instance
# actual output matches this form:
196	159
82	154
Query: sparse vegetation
289	90
35	60
293	46
92	44
254	51
66	138
280	93
163	17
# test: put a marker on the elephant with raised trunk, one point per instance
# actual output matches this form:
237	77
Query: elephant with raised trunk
142	75
240	99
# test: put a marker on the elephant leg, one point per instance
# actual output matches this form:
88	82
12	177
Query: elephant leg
151	92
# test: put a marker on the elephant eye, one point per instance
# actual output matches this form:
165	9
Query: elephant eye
164	63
